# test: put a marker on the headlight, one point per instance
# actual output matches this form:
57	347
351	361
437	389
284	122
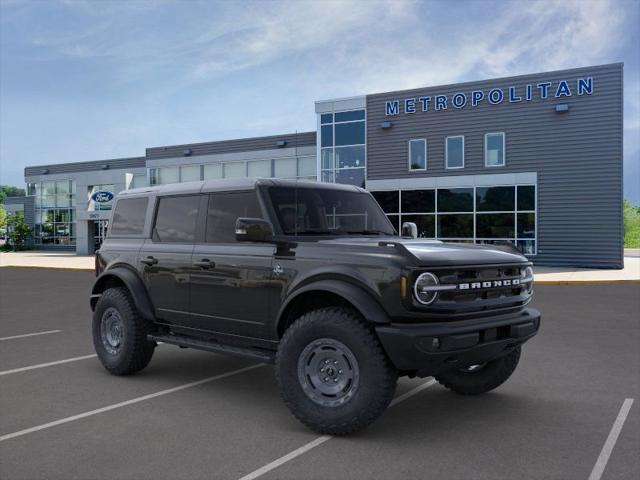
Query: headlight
426	288
526	278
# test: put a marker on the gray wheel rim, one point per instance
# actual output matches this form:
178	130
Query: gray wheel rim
111	330
328	372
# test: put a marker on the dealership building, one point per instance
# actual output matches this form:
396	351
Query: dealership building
532	160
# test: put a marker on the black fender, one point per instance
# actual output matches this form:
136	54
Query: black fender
134	284
357	296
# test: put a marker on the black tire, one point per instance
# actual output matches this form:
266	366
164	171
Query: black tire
133	351
371	388
489	376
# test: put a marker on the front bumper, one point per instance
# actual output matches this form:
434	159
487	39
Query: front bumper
430	348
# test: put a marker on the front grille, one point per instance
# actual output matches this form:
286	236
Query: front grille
474	299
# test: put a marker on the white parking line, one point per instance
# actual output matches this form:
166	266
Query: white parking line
125	403
48	364
30	335
325	438
601	463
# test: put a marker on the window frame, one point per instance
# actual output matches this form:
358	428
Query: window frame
504	149
426	160
142	234
446	152
197	233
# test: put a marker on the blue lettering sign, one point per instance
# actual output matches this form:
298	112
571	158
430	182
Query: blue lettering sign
496	96
563	89
392	107
425	103
544	89
459	100
102	197
529	92
441	102
585	85
410	105
512	95
476	97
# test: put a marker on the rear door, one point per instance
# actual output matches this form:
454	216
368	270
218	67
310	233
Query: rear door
166	256
231	293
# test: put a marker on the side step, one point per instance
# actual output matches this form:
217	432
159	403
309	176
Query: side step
189	342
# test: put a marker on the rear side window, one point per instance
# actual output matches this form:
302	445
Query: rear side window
128	217
176	219
224	210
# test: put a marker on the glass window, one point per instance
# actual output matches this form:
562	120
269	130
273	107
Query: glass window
235	170
327	135
190	173
526	225
213	171
528	247
328	176
417	154
307	167
349	116
327	159
259	168
350	176
139	180
389	201
395	221
349	133
326	118
455	152
495	199
418	201
455	226
426	224
526	197
350	157
167	175
153	176
494	149
495	225
176	219
317	211
128	217
455	200
224	210
285	167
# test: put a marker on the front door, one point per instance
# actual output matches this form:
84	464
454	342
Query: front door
231	293
166	257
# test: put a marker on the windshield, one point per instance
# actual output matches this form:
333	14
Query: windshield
324	211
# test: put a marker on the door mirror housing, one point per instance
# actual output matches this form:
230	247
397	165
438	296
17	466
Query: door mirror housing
253	230
409	229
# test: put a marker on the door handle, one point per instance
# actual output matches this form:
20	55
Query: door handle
149	260
204	263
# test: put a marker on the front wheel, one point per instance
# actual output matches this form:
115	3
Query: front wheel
120	333
332	372
477	379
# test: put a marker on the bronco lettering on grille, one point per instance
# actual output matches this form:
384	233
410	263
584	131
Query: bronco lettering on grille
489	284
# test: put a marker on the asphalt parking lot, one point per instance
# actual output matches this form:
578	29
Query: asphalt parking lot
200	415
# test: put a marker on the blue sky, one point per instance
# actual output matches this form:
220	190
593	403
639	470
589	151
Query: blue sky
87	80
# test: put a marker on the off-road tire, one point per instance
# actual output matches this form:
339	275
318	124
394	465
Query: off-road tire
490	376
135	351
377	376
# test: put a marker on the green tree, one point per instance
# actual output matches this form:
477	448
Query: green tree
631	225
10	191
17	231
3	217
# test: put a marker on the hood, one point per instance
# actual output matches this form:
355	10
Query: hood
436	253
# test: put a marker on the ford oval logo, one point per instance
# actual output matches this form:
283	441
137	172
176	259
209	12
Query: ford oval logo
102	197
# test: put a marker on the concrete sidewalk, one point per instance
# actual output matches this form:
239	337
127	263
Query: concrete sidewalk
544	275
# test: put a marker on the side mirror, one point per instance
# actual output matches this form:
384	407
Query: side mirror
253	230
409	229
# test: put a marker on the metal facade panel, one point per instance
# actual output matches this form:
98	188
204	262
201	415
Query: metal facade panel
577	155
231	146
115	164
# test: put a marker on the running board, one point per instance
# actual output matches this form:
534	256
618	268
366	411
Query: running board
189	342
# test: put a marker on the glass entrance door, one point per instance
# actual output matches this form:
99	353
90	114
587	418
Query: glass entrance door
99	232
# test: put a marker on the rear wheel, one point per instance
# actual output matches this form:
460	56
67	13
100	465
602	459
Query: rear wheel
481	378
332	371
120	333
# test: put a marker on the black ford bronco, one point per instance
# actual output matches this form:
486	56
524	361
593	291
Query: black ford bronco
313	278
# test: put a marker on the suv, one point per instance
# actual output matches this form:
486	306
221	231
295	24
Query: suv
312	278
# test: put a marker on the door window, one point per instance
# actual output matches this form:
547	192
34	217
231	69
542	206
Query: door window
224	209
176	219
